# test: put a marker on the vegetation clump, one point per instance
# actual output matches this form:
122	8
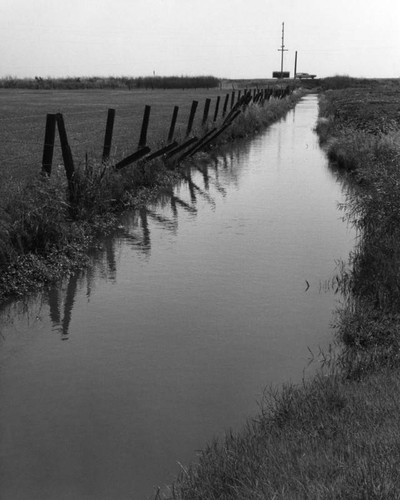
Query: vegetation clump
256	117
46	230
370	150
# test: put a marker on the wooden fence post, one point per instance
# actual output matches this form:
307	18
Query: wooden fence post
181	147
206	110
145	126
164	150
173	122
132	158
216	108
66	150
48	147
225	105
108	134
191	117
232	98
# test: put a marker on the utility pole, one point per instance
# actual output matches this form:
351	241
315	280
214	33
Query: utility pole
282	49
295	66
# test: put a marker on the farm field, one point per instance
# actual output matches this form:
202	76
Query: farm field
23	118
373	108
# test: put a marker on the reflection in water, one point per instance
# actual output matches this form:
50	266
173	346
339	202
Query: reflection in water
174	207
193	187
110	256
178	201
192	308
61	300
218	186
145	228
165	222
203	168
62	322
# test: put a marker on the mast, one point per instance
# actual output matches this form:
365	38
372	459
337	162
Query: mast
282	49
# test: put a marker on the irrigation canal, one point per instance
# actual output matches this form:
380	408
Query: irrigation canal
170	338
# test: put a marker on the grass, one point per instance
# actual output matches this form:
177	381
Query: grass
256	118
324	439
38	220
369	148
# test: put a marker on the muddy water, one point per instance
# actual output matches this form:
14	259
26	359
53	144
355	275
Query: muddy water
197	304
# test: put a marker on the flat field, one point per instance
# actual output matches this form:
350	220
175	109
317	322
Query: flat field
373	108
23	118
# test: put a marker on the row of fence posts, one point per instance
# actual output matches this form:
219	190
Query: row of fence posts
238	102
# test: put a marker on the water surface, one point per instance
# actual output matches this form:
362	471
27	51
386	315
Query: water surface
187	314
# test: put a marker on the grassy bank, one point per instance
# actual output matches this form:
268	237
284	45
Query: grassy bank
327	439
44	233
338	435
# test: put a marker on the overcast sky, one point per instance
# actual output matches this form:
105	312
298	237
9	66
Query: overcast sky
225	38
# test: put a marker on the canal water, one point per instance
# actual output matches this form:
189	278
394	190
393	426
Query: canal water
111	379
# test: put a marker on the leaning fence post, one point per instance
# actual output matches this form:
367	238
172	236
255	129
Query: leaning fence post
206	110
145	126
232	98
173	121
48	147
216	108
108	134
66	150
225	105
191	117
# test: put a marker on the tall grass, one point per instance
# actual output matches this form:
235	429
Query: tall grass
46	229
368	325
326	439
257	117
373	157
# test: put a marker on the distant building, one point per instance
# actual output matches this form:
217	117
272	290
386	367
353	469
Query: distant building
281	74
